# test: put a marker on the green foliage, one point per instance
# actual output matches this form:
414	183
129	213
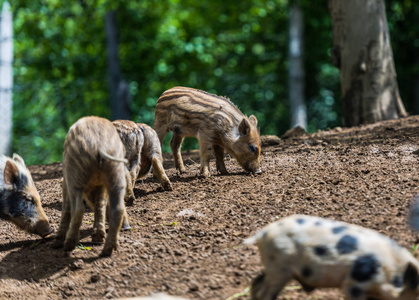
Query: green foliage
238	51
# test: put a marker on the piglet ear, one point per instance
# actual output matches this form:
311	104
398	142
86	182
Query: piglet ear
11	173
244	127
17	158
253	120
411	276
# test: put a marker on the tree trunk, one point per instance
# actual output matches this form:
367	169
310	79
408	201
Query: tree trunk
416	90
119	92
6	78
363	54
296	69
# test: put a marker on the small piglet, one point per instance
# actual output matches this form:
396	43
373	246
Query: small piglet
133	139
94	171
19	200
217	123
320	252
151	157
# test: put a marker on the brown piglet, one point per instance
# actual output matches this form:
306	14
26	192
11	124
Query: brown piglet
133	139
151	157
217	123
94	171
19	200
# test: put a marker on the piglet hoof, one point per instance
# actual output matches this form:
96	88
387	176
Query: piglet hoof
205	174
106	253
167	186
223	172
125	226
98	238
129	201
58	243
181	170
69	245
107	250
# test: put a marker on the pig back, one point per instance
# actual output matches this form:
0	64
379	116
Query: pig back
188	111
85	144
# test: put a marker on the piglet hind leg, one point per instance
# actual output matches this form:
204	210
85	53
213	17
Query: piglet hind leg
175	145
129	192
77	211
65	219
99	231
265	287
219	159
117	208
158	172
205	153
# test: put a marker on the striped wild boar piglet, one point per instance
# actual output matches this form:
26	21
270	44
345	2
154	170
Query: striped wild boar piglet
320	252
19	199
151	157
133	139
217	123
93	171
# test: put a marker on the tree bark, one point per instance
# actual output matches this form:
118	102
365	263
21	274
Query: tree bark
296	68
119	92
6	78
363	54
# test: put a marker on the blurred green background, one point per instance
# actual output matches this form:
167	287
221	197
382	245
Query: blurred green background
238	51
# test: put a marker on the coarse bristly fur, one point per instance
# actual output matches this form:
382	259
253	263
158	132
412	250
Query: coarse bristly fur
320	252
93	171
19	199
152	158
217	123
133	139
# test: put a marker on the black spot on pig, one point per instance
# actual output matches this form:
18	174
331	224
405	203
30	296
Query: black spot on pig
264	235
306	272
397	281
411	276
307	288
364	268
318	223
19	206
355	292
339	229
347	244
259	280
320	250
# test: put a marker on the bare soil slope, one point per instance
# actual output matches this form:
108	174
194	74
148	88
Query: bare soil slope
188	242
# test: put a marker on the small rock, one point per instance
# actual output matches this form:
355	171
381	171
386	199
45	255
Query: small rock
71	285
193	286
77	264
94	278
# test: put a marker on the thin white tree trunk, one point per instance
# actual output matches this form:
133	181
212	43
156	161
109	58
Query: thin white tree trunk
6	78
363	54
296	68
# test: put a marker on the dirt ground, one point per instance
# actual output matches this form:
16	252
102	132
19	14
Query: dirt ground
187	242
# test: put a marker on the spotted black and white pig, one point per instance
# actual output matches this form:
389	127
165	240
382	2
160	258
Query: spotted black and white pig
19	200
217	123
320	252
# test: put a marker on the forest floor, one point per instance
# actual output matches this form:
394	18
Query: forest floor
188	241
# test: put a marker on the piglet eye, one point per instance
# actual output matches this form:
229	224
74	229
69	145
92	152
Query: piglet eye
31	199
253	148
